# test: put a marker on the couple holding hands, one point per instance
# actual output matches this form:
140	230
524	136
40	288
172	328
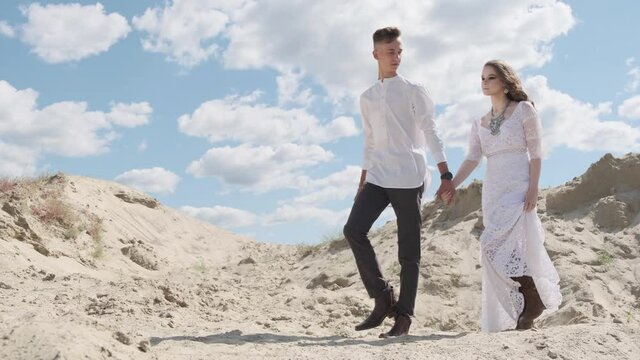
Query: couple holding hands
519	281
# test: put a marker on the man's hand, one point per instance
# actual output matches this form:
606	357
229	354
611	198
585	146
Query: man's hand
363	180
358	192
446	192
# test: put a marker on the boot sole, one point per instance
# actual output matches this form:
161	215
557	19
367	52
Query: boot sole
390	314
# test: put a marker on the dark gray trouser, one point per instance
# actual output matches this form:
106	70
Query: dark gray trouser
366	209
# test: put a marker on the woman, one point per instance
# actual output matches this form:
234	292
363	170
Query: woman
519	282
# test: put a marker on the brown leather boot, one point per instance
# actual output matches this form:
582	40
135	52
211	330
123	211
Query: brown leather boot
533	305
401	327
384	307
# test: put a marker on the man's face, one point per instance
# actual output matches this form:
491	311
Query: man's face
388	55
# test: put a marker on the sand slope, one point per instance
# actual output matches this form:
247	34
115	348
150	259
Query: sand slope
118	275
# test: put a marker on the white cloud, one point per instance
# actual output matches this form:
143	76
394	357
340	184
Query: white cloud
308	205
337	55
630	108
634	74
577	125
342	126
243	119
289	91
305	207
292	213
155	180
64	128
222	216
70	32
455	121
337	186
566	121
300	212
16	161
446	57
260	168
7	30
130	115
185	30
67	128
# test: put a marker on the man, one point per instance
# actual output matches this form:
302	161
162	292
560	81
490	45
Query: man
397	119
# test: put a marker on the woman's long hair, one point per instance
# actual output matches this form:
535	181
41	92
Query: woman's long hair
510	79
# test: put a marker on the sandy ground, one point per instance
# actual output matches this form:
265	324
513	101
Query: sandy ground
93	269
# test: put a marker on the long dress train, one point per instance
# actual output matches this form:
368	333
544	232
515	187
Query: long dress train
512	243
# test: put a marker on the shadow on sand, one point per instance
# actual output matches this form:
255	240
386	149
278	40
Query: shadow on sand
236	337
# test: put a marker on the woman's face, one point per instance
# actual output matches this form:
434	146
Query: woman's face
491	83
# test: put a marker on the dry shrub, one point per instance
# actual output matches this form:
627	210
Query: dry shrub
7	185
95	230
72	232
54	211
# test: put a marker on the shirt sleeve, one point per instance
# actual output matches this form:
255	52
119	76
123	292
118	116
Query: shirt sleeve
424	111
368	135
532	130
475	147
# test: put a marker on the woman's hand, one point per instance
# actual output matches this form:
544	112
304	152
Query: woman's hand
446	192
446	197
531	199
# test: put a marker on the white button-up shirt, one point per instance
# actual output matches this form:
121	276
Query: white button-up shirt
398	121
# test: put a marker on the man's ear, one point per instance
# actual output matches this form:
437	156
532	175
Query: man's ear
375	54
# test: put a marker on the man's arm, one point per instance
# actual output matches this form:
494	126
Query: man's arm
424	110
368	145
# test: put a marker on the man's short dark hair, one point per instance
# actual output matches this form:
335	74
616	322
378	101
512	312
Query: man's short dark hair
386	35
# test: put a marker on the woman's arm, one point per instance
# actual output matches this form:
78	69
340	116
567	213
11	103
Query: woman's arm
533	135
466	168
463	172
474	156
531	198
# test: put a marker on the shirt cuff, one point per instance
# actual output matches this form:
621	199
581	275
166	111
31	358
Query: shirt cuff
439	157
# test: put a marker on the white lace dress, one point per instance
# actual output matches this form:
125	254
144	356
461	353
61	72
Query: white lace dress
512	241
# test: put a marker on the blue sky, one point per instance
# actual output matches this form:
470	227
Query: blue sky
243	113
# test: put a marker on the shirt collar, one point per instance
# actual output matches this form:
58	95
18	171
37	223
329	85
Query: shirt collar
391	79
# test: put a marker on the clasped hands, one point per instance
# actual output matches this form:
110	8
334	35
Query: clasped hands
446	192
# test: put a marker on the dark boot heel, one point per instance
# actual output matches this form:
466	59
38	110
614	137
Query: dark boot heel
400	328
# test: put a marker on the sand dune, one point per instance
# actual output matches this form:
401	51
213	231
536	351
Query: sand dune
93	269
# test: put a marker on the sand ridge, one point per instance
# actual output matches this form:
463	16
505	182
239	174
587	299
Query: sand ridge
112	273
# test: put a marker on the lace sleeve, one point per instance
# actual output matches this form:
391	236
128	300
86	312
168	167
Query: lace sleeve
532	130
475	148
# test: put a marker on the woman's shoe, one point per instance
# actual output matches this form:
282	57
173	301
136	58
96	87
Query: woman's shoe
533	305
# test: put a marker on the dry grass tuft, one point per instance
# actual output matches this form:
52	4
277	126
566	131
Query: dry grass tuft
54	211
96	230
7	185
